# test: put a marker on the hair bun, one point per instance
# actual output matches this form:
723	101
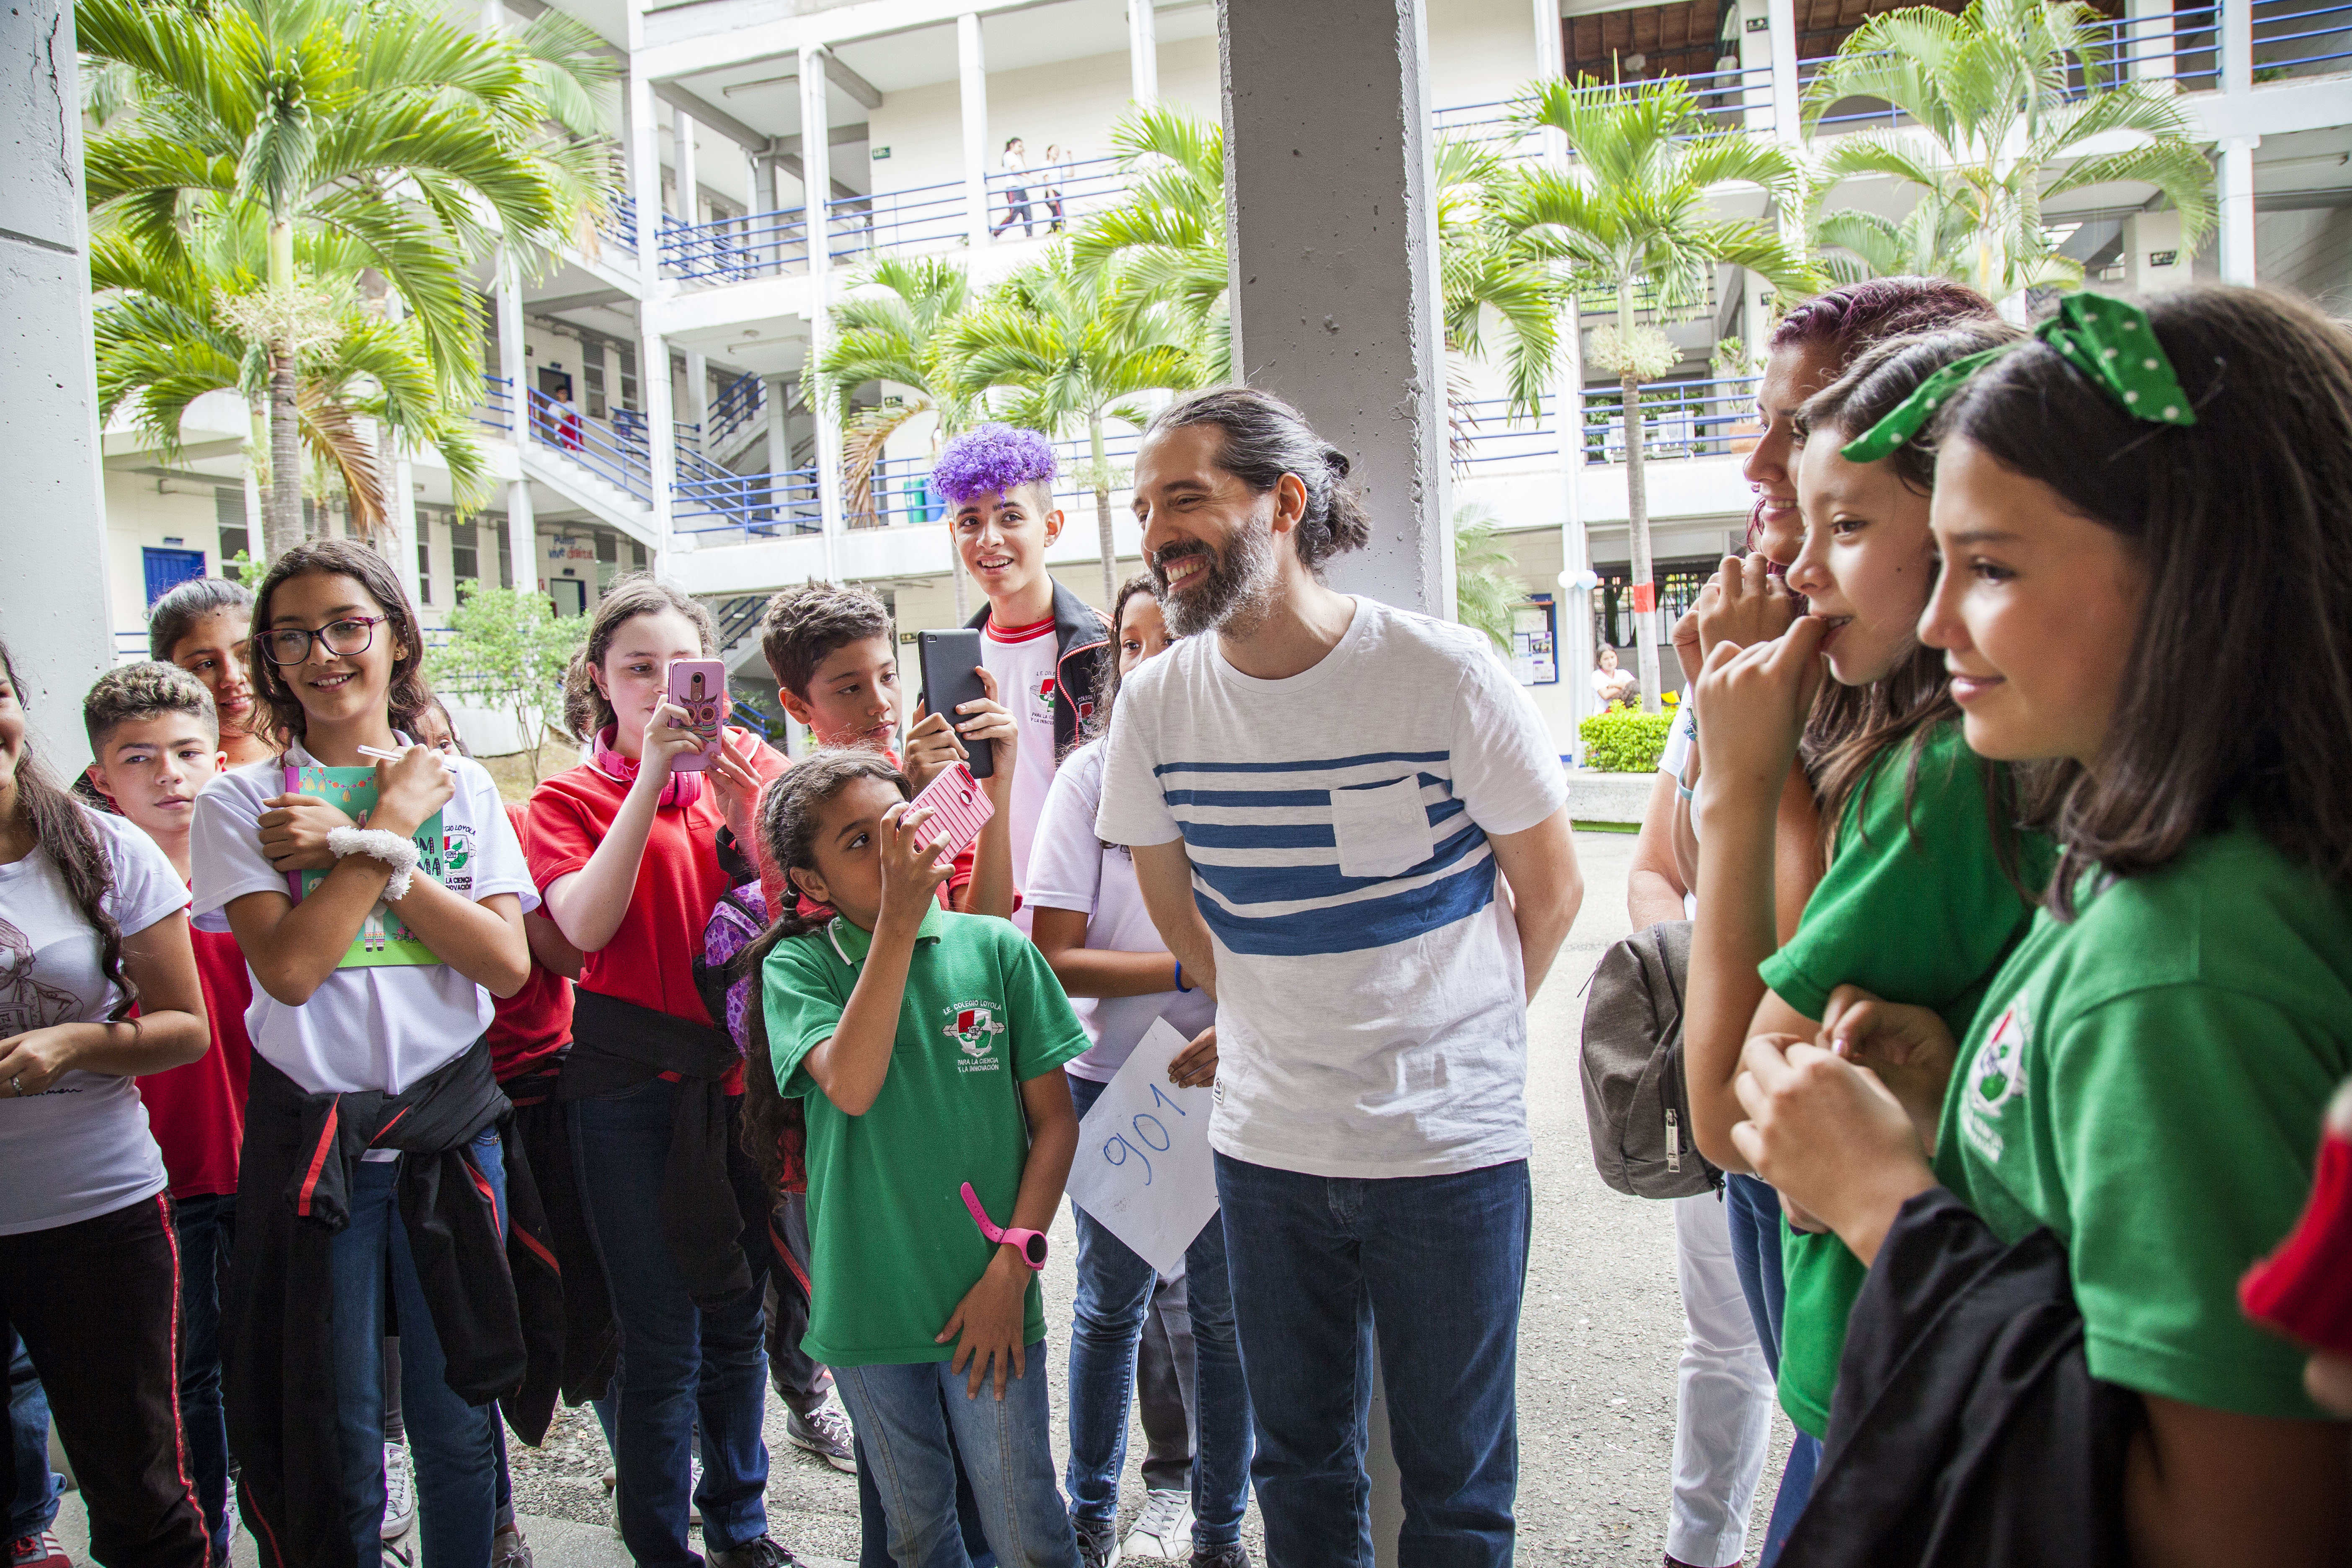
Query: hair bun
1336	461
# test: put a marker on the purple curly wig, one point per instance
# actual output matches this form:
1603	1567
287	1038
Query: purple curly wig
991	459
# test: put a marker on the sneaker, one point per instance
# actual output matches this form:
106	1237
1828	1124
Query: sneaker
1162	1533
399	1493
757	1552
509	1549
41	1550
693	1485
1233	1556
1098	1542
823	1432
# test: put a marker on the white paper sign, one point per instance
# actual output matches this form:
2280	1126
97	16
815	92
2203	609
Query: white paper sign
1143	1170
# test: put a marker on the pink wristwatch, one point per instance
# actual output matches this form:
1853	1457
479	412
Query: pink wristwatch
1032	1243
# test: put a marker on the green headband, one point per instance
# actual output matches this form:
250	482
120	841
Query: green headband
2106	339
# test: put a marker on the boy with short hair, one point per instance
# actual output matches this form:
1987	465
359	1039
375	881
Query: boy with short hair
156	736
1043	644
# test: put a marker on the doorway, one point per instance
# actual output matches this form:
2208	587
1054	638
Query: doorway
571	595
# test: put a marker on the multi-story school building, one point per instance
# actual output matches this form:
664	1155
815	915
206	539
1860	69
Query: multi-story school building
645	401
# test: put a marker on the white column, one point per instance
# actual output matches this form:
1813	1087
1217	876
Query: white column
696	412
780	445
2237	45
2236	173
1786	94
971	77
54	605
400	510
682	159
816	170
643	130
1142	51
1551	65
2147	44
257	447
514	365
661	434
522	535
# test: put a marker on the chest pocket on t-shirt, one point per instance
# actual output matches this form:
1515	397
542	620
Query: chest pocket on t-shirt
1381	830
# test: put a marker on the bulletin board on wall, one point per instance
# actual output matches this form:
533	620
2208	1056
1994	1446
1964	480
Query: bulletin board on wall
1535	641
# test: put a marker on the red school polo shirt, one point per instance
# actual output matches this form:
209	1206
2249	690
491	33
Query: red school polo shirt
196	1111
534	1023
650	959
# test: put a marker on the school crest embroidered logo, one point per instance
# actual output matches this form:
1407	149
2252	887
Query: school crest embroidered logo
973	1026
1996	1078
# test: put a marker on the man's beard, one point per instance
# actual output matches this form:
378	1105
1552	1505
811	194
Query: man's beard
1230	593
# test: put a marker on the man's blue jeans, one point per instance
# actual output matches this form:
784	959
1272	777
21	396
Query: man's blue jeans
1114	1291
35	1506
679	1362
1752	1209
206	1226
1429	1270
453	1444
904	1414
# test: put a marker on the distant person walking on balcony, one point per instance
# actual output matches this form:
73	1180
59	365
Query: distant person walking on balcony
1015	163
1050	190
1326	798
567	420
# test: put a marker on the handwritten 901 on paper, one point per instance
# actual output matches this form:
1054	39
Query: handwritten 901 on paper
1143	1170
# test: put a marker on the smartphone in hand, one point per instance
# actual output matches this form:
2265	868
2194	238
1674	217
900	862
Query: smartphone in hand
960	809
950	678
698	686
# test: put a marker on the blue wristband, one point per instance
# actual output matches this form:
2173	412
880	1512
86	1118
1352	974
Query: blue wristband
1180	978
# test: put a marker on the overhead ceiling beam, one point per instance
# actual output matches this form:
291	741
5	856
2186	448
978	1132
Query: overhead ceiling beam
141	459
576	302
834	136
850	82
704	112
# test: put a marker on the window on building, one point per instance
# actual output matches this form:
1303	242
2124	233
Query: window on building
423	567
592	378
628	357
506	554
636	553
465	552
608	548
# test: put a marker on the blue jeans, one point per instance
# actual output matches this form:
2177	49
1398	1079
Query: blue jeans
904	1415
1114	1290
35	1506
1430	1270
678	1361
1753	1211
206	1226
453	1444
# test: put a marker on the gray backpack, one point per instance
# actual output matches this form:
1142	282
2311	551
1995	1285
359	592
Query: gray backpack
1635	1102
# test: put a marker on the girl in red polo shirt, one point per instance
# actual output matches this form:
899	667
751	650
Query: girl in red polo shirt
628	854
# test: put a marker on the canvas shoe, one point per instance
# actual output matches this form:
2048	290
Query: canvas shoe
825	1433
399	1493
1162	1533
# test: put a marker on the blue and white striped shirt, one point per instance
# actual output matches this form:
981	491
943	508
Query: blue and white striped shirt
1370	1020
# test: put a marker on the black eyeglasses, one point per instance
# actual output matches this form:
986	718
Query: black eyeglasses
291	644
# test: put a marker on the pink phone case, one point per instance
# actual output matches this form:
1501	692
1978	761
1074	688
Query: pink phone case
962	808
698	686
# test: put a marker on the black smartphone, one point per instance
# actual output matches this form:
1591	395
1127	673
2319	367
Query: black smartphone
950	678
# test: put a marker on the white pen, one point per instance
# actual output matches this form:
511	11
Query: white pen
395	756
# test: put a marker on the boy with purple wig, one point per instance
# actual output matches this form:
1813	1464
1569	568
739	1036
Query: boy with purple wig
1042	643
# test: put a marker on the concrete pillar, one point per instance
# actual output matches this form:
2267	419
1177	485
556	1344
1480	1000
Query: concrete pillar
661	432
2154	261
54	609
779	445
643	130
1334	262
2237	47
2236	172
682	160
1142	51
971	77
522	535
697	411
2147	46
514	365
816	170
1550	64
1786	94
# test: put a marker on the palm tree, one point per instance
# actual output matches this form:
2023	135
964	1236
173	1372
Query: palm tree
1487	585
1169	233
1066	344
1998	134
420	142
169	329
1631	218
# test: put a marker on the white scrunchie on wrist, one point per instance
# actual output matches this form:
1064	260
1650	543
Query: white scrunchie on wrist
378	844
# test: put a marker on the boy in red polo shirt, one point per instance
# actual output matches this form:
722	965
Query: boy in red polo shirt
157	741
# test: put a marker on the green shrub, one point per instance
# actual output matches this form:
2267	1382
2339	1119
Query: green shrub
1624	741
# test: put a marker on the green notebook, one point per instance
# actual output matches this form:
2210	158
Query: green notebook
384	940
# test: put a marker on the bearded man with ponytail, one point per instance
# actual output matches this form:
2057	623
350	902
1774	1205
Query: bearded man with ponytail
1324	796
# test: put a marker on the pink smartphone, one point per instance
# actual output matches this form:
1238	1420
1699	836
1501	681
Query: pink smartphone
698	686
960	809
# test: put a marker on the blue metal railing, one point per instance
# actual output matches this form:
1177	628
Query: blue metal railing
1052	197
2294	39
1738	98
738	406
736	249
496	409
1703	417
912	219
901	492
615	450
708	499
620	223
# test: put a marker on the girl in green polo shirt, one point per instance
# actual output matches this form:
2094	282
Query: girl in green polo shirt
927	1050
1922	890
2124	506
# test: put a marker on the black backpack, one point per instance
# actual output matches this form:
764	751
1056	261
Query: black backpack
1635	1101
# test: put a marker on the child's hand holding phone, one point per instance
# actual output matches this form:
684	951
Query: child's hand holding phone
936	742
912	865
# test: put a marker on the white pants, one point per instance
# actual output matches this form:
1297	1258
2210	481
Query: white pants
1723	1394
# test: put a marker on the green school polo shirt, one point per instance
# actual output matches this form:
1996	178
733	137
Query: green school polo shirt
2147	1082
893	1247
1914	908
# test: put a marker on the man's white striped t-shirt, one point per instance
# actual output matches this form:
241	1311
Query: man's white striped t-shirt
1370	1015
